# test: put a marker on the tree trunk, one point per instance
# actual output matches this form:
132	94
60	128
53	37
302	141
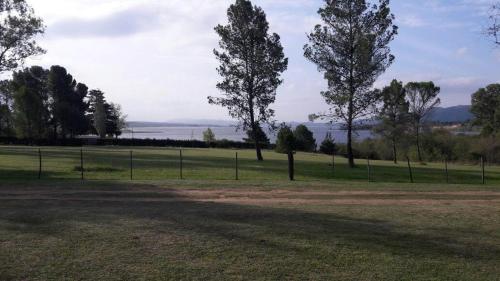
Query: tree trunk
394	151
350	154
258	150
418	144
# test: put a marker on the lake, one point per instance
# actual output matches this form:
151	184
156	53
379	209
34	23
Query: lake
230	133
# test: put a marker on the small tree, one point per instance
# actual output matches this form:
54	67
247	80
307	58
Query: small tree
352	49
486	109
328	145
394	115
209	136
285	141
251	64
422	98
18	29
304	139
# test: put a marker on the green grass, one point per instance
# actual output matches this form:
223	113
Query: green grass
217	164
248	230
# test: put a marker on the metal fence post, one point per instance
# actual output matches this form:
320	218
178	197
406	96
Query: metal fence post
369	170
180	164
81	164
446	170
131	165
483	175
409	168
333	164
39	163
237	174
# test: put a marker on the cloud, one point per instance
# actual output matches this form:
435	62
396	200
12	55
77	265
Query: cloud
462	52
123	23
411	21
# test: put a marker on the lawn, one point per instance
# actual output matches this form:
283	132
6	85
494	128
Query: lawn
112	163
248	230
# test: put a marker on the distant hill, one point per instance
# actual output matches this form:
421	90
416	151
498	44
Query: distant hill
453	114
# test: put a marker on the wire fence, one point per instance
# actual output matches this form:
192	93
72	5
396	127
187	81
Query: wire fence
90	163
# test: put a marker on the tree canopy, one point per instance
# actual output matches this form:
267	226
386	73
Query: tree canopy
486	109
422	98
19	27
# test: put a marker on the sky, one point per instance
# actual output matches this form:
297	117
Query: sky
155	57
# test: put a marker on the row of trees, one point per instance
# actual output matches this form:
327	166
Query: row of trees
350	47
39	103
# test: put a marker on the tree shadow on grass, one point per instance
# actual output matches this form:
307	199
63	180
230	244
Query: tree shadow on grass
260	227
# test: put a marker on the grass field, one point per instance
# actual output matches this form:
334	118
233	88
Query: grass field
327	225
217	164
253	230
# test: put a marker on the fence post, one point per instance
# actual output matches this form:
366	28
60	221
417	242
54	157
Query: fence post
446	170
483	175
291	167
81	164
333	163
131	165
409	168
369	170
237	174
180	164
39	163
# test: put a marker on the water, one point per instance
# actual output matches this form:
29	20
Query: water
230	133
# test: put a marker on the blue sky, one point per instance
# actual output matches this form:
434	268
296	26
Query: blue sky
155	56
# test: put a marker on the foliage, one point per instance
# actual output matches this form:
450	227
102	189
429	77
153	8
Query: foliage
352	49
18	29
285	141
99	113
209	136
328	145
6	103
394	115
39	103
494	28
486	109
262	138
30	102
251	64
422	98
304	139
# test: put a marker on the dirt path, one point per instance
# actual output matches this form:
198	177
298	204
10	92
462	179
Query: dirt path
256	197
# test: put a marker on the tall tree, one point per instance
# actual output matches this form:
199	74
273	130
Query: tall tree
261	136
99	112
6	104
394	115
251	64
115	119
486	109
18	28
422	98
68	102
30	108
352	48
494	28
